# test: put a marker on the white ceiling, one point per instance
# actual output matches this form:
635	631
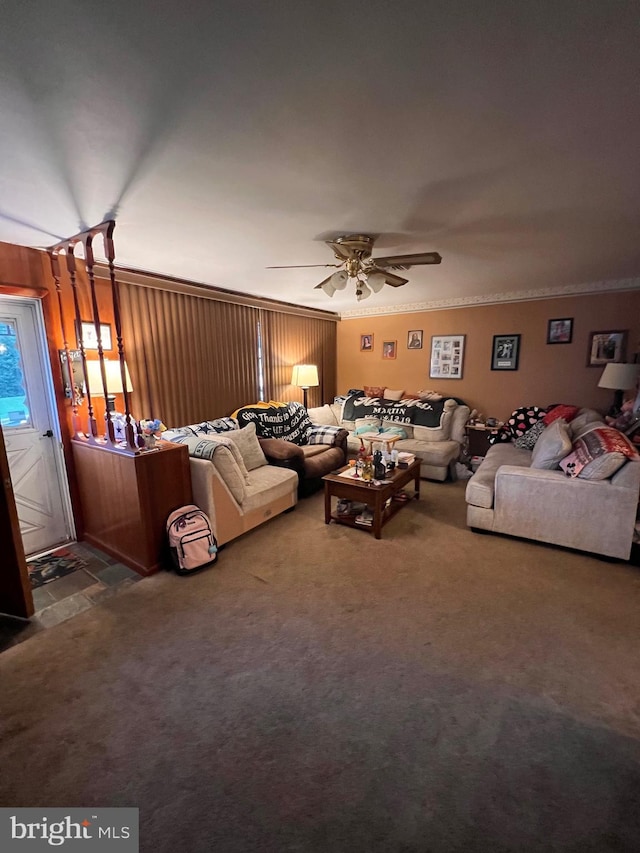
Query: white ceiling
228	136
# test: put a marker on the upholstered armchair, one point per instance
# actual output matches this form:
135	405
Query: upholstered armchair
310	461
289	440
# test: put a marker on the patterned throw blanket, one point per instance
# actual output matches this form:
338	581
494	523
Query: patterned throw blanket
426	413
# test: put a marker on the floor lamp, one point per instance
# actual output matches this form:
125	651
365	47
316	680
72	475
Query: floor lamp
619	378
305	376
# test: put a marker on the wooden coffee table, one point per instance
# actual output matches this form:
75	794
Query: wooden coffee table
375	497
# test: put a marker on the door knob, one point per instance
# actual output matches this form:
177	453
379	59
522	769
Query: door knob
47	434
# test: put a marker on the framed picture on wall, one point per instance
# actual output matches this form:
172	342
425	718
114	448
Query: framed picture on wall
506	352
414	339
389	349
366	343
606	348
560	331
447	356
89	338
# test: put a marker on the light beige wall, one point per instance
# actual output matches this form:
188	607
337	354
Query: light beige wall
547	373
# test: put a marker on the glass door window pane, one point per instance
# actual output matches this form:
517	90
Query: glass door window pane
14	406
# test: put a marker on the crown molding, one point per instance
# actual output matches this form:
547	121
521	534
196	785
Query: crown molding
585	289
142	278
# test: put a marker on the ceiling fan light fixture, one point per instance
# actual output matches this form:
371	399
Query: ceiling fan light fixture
362	291
326	286
339	280
376	281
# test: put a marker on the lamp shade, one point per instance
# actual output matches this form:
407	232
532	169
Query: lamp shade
305	376
114	378
376	281
619	377
339	279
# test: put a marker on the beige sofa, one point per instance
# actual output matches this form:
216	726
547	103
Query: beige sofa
507	495
269	492
231	479
437	448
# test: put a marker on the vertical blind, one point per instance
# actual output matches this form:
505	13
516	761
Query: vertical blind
190	358
288	339
194	358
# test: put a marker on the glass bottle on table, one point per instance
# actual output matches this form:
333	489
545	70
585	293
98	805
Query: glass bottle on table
362	455
367	471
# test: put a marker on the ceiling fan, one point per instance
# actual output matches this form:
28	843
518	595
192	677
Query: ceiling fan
353	252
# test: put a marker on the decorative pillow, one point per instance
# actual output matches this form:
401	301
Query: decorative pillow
585	416
552	446
529	439
322	434
373	391
367	425
598	454
322	415
567	413
389	394
249	446
521	420
429	395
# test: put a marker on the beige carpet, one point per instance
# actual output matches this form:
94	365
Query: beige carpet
318	690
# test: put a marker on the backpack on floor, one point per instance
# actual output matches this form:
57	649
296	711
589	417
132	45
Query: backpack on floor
191	541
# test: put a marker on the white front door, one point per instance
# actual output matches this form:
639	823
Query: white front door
30	427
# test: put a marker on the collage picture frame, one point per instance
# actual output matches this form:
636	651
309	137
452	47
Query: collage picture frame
447	357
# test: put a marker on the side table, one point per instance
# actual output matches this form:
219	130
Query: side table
477	439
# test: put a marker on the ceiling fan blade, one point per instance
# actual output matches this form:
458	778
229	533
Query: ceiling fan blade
394	280
301	266
405	262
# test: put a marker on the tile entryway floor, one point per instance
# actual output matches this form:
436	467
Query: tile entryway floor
67	596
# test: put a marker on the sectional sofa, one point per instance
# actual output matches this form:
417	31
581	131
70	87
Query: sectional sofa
538	493
437	447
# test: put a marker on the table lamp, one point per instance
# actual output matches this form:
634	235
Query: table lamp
619	378
114	380
305	376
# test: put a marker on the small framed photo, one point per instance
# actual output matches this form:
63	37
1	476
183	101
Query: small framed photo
606	348
366	343
447	355
389	349
560	331
89	338
414	339
506	352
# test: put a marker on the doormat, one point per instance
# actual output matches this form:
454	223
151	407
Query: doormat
52	566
